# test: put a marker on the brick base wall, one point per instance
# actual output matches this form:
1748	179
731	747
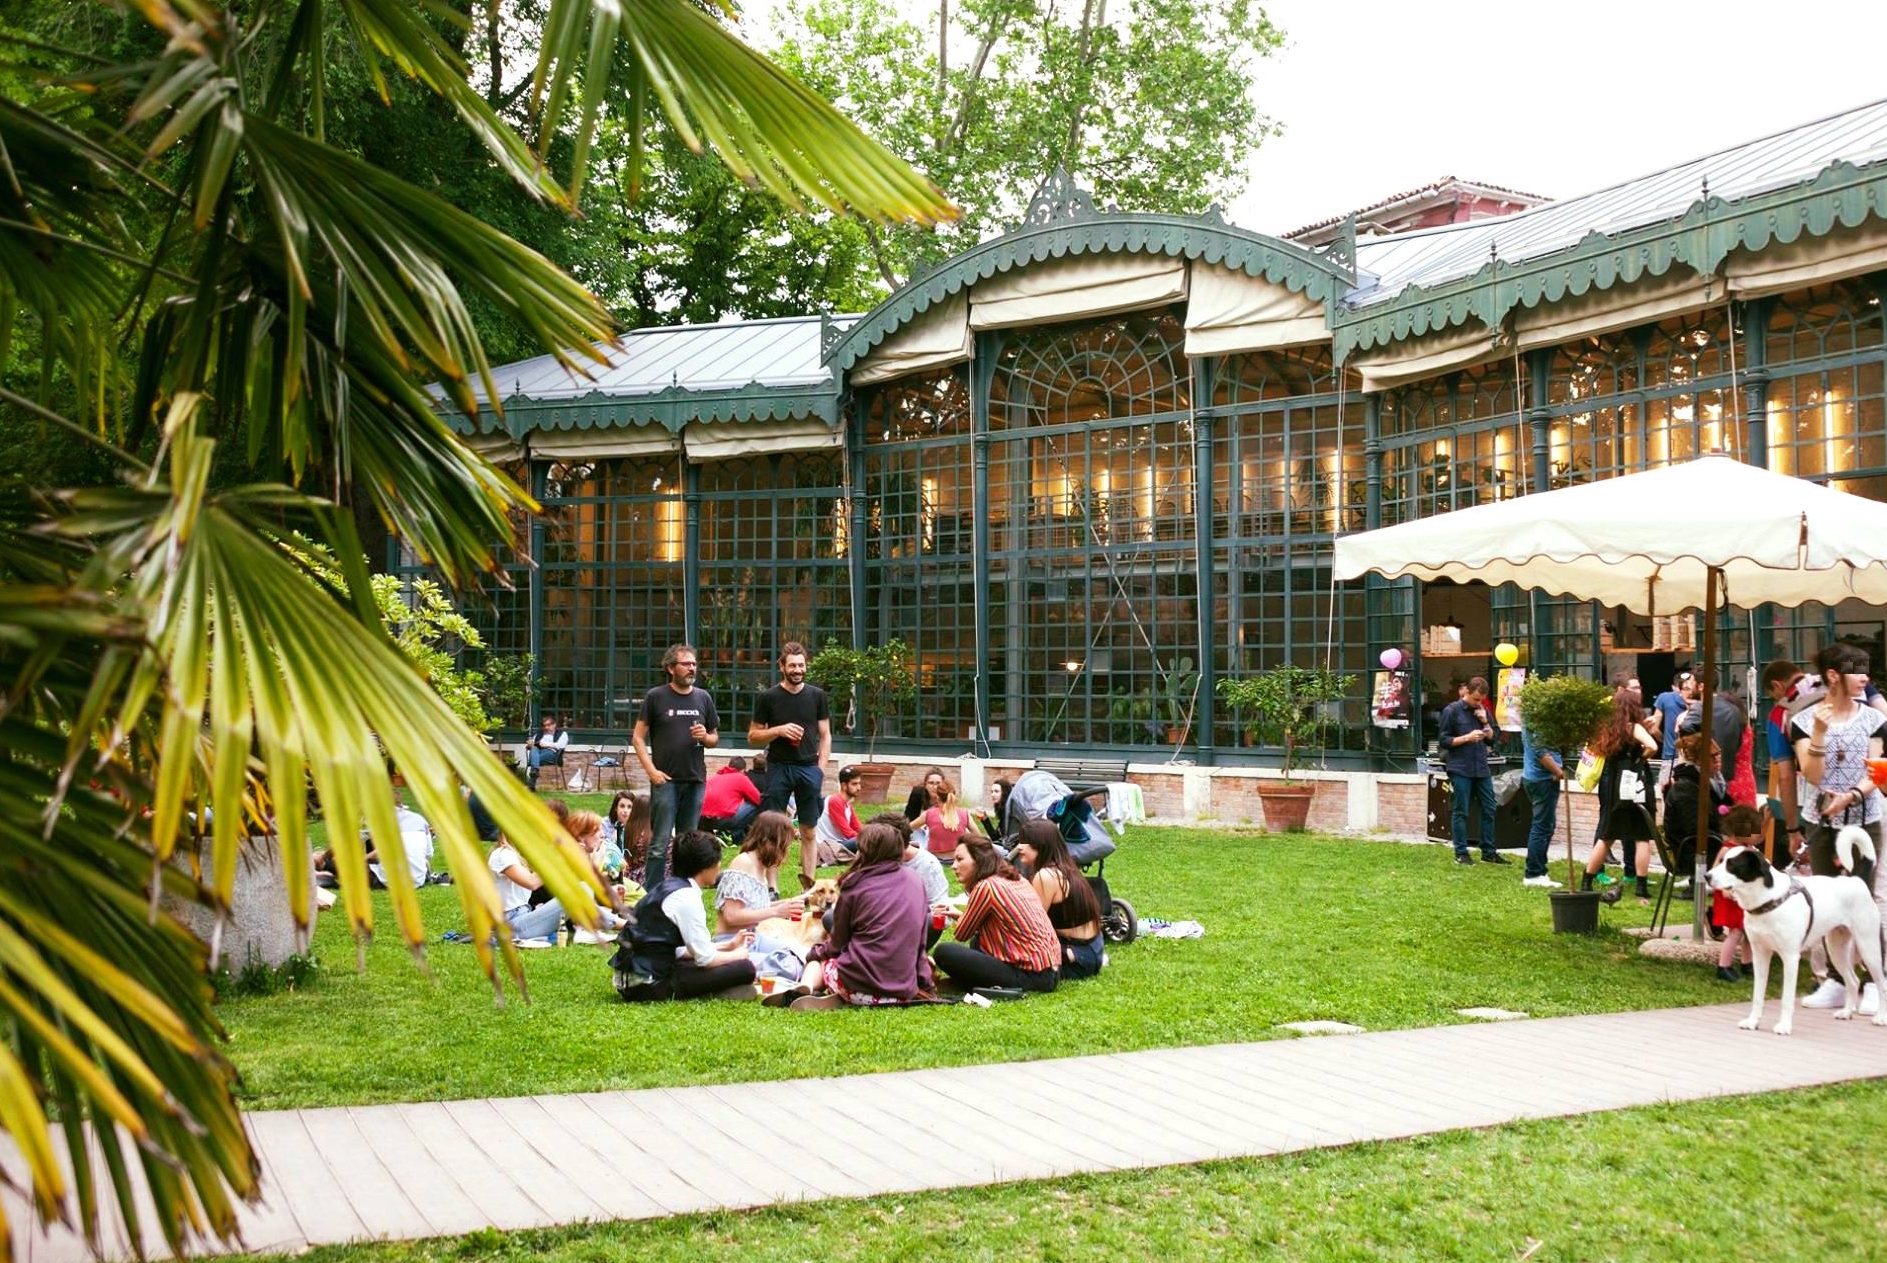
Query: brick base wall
1392	804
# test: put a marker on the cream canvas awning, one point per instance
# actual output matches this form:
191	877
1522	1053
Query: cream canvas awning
1229	311
726	440
1417	358
1077	288
609	444
1609	310
1808	261
938	338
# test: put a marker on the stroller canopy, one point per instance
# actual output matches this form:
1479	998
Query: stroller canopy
1044	796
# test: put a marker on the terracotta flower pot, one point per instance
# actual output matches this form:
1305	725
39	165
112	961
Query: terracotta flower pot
874	781
1287	804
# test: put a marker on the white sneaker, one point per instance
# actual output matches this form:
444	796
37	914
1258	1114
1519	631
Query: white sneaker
1870	1000
1542	882
1830	995
592	937
527	943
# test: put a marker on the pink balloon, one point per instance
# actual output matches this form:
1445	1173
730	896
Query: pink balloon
1391	659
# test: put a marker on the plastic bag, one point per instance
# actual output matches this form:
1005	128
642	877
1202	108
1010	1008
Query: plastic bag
1591	767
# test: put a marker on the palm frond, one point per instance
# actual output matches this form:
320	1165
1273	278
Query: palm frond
769	128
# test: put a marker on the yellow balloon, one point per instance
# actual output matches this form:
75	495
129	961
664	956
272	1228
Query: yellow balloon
1506	654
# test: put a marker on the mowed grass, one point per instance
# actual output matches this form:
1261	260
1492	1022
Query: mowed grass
1376	933
1781	1177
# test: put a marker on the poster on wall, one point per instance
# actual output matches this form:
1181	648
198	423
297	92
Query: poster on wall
1507	698
1390	704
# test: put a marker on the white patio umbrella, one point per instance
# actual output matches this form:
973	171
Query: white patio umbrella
1691	536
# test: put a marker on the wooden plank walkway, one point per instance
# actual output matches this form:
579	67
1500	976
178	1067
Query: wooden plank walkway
420	1170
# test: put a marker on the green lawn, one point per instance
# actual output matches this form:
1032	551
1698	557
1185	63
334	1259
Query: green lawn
1780	1178
1380	934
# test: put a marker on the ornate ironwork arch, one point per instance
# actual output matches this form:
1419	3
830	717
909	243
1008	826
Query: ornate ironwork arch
1062	222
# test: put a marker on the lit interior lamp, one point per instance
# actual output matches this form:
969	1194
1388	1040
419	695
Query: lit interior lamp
1073	665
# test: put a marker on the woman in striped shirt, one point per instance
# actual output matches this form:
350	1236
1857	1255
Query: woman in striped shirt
1004	938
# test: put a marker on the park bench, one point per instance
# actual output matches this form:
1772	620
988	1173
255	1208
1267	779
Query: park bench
1083	775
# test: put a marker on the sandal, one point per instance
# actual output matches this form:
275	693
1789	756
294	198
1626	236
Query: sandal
805	1003
783	997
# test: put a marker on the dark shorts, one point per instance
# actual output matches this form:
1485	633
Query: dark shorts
802	784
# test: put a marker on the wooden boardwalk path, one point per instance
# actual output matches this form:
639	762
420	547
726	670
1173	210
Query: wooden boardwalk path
419	1170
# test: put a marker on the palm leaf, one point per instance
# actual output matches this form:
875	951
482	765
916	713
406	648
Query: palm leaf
769	128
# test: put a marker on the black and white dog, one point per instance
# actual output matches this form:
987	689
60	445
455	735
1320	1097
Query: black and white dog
1785	915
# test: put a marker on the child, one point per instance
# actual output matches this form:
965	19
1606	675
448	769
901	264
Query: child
1742	827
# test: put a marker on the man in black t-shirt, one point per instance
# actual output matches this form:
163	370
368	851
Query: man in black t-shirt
678	721
793	720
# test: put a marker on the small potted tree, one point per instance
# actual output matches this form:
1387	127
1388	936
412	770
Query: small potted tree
867	684
1562	714
1292	702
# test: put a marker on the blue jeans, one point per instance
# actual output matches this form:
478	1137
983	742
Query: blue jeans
674	807
1544	795
543	921
1481	790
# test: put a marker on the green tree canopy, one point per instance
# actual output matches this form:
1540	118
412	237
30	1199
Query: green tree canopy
1150	101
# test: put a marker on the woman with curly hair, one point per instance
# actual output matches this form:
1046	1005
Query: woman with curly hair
1627	807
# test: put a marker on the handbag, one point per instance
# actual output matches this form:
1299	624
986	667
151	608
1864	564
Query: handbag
1591	767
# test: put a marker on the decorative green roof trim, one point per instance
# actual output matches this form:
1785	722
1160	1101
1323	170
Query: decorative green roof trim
673	408
1063	222
1841	196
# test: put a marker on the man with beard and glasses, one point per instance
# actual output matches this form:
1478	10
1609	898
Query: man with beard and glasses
794	722
677	722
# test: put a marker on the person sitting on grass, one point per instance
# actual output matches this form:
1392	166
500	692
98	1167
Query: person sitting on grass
1014	944
1742	827
836	834
630	826
517	882
1066	896
671	955
945	821
920	861
749	890
875	953
586	828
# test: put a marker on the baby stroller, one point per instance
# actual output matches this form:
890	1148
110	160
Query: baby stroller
1042	795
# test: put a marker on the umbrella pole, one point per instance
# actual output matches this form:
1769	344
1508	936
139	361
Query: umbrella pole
1708	708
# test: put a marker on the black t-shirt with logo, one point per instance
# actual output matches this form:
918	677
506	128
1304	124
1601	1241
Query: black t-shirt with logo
669	715
805	708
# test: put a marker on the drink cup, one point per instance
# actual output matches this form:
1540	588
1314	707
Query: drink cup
1877	772
937	920
767	984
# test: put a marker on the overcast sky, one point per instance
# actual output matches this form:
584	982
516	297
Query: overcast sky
1377	98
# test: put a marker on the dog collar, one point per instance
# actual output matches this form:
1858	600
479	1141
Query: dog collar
1795	888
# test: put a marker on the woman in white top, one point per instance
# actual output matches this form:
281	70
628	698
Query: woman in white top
748	890
1833	742
530	927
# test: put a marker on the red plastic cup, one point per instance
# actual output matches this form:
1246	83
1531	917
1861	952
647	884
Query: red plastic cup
936	920
1877	772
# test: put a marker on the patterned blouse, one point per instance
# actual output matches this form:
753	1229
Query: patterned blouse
1005	919
749	890
1844	765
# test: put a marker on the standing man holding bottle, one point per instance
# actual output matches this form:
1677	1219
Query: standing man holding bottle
794	721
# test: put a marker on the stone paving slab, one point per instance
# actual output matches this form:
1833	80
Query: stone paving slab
405	1171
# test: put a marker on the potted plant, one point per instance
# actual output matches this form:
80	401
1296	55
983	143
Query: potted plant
1181	686
1291	701
875	682
1562	714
